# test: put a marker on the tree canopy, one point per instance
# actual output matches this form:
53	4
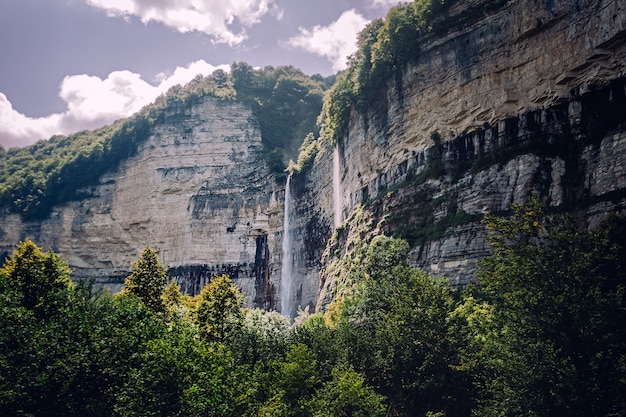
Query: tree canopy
148	280
219	309
548	316
36	277
540	335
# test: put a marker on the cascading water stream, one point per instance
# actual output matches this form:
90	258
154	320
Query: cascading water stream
336	188
286	274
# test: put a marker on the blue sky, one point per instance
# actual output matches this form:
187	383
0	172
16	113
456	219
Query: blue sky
69	65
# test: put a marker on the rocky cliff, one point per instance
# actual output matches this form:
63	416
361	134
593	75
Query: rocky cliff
504	98
513	97
198	191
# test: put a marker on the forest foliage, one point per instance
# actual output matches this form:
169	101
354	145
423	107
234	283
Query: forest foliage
541	334
285	101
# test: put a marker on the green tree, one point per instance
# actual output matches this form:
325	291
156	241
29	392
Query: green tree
243	77
90	352
74	363
347	394
147	280
261	338
550	314
306	154
172	298
321	340
298	379
338	104
37	277
395	333
361	62
215	385
177	374
219	310
397	41
21	342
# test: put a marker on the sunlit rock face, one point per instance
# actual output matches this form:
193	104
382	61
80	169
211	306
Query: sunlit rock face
503	99
198	191
524	97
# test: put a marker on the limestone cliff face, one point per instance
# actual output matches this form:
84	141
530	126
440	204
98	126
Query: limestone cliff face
198	191
525	96
505	98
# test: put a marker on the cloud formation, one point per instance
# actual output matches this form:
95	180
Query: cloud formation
92	102
336	42
386	3
213	17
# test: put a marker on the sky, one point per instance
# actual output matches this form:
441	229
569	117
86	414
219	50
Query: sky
71	65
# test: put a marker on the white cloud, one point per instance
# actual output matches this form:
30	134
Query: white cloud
336	41
213	17
182	75
92	102
387	3
19	130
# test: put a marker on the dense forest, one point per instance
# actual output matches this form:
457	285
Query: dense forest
285	101
541	334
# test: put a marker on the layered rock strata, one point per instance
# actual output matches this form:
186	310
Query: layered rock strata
505	98
198	191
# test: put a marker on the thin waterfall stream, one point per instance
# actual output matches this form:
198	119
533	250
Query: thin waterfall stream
286	274
336	188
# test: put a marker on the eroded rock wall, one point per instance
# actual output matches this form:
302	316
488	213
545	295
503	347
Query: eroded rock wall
525	96
198	191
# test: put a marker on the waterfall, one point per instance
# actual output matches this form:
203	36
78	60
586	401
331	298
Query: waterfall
336	188
286	274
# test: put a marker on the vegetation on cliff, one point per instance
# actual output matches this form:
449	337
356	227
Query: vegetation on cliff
285	101
35	178
541	335
385	47
306	155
